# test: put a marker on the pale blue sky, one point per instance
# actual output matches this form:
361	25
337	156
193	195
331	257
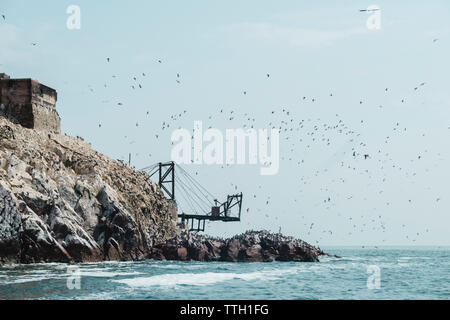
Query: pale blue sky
222	48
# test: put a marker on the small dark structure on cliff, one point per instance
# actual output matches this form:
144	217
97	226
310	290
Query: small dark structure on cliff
202	204
29	103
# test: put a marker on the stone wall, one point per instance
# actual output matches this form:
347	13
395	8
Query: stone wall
29	103
46	119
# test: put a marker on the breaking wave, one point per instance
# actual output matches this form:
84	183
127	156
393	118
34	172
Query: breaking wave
201	279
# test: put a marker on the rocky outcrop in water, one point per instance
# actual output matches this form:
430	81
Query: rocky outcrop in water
252	246
62	201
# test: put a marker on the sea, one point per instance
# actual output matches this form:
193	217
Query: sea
360	273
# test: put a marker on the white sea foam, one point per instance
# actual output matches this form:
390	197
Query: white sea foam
27	279
42	275
106	274
202	279
177	266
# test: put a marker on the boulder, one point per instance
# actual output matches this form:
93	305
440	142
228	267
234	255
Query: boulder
252	246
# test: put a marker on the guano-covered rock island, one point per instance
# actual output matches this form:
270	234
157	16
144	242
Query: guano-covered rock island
62	201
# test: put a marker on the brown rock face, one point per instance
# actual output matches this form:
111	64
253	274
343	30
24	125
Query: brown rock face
252	246
62	201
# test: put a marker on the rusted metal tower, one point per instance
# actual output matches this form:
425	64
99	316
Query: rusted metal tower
203	206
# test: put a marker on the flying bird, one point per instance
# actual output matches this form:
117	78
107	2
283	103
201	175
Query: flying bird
369	10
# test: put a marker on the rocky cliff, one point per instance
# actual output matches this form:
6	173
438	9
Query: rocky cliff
252	246
62	201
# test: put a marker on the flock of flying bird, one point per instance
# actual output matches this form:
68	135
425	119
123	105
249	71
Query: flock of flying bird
300	137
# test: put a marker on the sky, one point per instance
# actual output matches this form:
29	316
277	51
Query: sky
326	91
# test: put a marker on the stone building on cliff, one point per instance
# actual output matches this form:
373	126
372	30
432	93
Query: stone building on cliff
29	103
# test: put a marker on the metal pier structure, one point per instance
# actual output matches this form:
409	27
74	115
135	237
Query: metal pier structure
198	204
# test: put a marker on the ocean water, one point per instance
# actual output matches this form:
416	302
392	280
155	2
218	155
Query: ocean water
383	273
